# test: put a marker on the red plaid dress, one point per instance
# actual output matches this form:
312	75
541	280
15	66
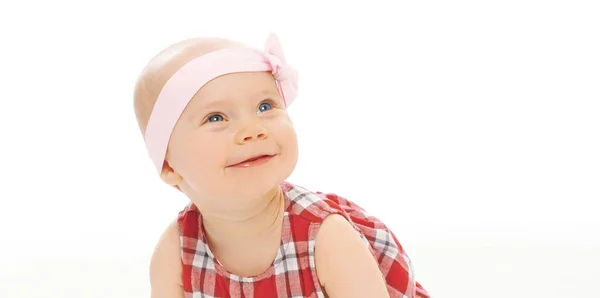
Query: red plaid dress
292	273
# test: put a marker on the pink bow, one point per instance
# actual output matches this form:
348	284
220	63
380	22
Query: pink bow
286	75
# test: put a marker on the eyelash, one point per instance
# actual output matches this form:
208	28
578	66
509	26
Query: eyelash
269	101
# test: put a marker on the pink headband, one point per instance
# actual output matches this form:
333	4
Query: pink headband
186	82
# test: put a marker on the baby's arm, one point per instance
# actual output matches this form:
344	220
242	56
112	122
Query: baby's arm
345	266
165	266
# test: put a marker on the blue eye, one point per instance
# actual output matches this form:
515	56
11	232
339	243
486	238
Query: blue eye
215	118
264	107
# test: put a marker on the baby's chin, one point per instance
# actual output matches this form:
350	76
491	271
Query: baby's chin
239	197
255	185
245	184
240	186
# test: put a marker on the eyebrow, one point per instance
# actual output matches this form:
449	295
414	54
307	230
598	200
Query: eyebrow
200	108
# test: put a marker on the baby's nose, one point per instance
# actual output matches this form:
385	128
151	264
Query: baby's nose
251	133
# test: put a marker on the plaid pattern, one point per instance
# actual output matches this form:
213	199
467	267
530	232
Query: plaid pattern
292	273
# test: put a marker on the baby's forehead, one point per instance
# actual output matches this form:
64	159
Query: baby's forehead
237	89
164	65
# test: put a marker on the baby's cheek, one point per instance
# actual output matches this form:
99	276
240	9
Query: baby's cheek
282	125
201	159
287	135
287	139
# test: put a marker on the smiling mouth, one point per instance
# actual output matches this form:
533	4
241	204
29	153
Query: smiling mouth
258	160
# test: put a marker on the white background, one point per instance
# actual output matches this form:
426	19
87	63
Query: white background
471	128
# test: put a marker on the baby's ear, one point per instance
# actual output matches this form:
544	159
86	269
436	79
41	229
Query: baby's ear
169	175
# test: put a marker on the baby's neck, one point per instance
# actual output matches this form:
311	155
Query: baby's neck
257	225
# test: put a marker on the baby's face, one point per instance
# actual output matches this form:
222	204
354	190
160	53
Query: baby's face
233	118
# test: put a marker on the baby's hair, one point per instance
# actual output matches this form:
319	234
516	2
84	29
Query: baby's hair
162	66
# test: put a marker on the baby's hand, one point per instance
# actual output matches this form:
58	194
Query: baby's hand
345	266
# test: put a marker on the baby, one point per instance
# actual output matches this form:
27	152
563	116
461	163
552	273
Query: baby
213	113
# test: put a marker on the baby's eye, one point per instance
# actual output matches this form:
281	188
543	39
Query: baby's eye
215	118
264	107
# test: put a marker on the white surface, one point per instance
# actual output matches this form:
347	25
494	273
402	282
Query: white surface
470	127
491	272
